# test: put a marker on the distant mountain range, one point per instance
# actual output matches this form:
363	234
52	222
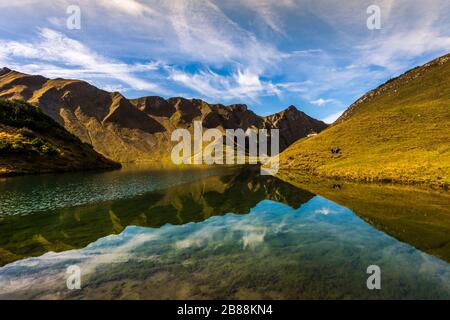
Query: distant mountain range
140	129
399	132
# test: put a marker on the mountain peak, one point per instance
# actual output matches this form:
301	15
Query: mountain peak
4	70
292	108
239	107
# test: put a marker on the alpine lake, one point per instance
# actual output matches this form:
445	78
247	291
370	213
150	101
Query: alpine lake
139	233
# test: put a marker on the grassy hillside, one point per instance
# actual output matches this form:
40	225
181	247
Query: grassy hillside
399	132
31	142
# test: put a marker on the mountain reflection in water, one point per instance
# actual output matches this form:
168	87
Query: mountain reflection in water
234	235
75	227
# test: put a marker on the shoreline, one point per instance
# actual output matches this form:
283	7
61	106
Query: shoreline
286	174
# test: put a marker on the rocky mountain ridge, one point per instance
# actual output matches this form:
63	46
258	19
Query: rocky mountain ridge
135	130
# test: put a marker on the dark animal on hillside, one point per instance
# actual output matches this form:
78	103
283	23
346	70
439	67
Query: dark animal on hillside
335	150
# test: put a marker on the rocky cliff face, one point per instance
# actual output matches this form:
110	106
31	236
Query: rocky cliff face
293	125
140	129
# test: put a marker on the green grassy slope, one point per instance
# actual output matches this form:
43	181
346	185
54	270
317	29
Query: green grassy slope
399	132
32	142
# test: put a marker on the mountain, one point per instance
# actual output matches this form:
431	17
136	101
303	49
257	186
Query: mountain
32	142
140	129
399	132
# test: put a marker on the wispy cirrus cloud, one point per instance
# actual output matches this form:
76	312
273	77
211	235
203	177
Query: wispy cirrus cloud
271	53
55	55
197	30
242	84
269	11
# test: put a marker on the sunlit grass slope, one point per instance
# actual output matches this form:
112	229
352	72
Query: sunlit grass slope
399	132
32	142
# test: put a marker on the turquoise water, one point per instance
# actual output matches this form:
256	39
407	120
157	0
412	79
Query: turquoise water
232	235
28	194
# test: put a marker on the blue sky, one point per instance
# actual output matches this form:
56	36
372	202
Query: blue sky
316	54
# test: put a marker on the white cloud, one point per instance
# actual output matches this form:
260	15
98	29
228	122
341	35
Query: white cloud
107	250
333	117
131	7
294	86
410	29
268	11
194	29
243	84
253	237
412	33
177	31
322	102
55	55
325	211
394	52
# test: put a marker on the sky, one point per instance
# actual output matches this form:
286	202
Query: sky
318	55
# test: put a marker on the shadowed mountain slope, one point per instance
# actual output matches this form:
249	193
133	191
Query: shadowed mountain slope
32	142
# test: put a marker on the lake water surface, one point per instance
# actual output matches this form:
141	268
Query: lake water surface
218	234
